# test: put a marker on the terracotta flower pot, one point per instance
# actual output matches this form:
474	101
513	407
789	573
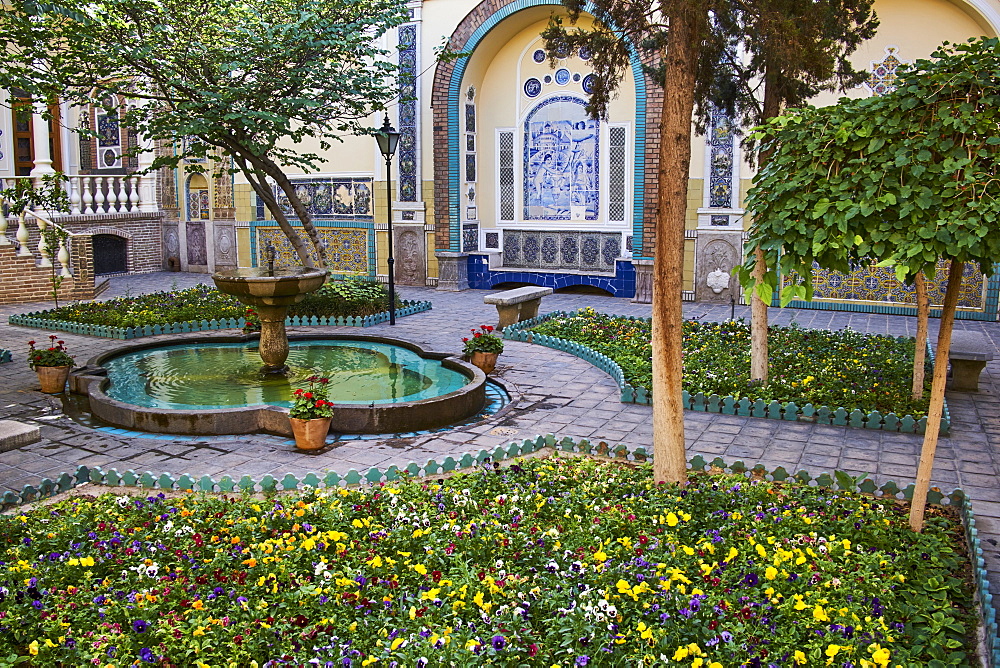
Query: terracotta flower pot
485	361
310	434
53	378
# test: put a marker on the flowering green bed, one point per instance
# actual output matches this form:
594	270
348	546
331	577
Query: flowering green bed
565	562
843	368
351	297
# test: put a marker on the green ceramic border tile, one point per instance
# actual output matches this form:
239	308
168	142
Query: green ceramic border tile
699	402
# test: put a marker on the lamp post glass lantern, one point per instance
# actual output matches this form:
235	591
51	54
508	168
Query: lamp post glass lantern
388	139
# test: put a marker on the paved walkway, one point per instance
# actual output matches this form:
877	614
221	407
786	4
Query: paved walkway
553	392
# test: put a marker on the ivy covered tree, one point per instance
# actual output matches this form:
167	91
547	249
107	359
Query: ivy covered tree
902	179
250	79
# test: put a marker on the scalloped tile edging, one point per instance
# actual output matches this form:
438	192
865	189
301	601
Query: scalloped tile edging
774	410
838	480
5	356
127	333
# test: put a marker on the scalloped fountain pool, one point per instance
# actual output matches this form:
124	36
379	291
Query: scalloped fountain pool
214	386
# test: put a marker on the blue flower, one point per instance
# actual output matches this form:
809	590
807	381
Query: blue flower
147	655
499	642
582	660
140	625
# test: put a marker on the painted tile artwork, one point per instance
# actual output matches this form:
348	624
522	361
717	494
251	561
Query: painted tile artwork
346	249
330	197
550	251
879	284
560	161
882	79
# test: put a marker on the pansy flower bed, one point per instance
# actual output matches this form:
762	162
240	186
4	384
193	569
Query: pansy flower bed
842	368
548	562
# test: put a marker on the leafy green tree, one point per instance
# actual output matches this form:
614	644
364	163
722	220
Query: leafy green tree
902	179
250	79
792	50
688	46
682	69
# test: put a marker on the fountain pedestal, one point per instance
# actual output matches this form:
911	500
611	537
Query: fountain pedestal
271	293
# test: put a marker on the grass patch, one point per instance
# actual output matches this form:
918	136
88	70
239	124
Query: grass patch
349	297
843	368
563	561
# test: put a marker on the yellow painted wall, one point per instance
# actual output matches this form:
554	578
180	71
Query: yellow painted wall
432	261
243	246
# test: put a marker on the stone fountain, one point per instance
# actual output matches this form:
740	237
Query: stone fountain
271	291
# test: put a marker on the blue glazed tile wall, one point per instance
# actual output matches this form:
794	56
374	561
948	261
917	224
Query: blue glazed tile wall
481	277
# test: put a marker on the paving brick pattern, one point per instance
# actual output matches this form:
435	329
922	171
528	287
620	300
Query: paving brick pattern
554	392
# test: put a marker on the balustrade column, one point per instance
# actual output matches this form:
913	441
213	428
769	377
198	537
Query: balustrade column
40	143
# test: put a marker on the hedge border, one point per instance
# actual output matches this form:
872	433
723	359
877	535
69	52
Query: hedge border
789	411
837	480
127	333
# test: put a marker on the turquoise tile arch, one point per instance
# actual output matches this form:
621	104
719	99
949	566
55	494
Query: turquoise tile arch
455	133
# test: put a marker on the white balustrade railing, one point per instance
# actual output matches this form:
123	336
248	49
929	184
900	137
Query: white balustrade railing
97	195
23	236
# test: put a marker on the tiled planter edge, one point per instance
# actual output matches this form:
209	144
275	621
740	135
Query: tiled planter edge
38	320
774	410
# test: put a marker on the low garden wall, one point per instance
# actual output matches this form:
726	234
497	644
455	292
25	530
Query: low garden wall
774	410
268	484
38	319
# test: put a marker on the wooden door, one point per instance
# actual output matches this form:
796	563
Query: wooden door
24	147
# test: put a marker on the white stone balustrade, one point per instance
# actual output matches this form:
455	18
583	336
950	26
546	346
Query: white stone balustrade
101	195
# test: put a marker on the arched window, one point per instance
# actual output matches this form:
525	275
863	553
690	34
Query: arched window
561	161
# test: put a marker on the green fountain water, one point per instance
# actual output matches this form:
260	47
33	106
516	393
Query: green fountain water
226	375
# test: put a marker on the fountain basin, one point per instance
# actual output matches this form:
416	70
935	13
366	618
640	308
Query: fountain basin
256	287
416	389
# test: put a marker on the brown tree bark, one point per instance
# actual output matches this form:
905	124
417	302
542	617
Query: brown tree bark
920	351
688	21
758	308
936	409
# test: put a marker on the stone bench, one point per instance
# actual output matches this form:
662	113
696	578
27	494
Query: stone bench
518	304
969	353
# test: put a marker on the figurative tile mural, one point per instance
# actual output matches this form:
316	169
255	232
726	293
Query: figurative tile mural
879	284
560	161
552	251
108	130
721	161
882	79
199	205
408	113
347	250
328	197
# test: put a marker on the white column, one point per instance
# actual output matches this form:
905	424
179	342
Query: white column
40	142
147	181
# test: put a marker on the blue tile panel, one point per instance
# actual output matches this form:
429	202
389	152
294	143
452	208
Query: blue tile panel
408	113
622	284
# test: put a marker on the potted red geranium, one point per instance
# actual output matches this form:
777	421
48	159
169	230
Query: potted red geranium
52	364
483	348
311	414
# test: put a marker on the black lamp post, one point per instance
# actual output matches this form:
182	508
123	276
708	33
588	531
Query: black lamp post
387	139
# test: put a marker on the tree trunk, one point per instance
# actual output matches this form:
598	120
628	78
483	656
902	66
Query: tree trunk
758	323
687	22
758	309
263	191
936	408
920	351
